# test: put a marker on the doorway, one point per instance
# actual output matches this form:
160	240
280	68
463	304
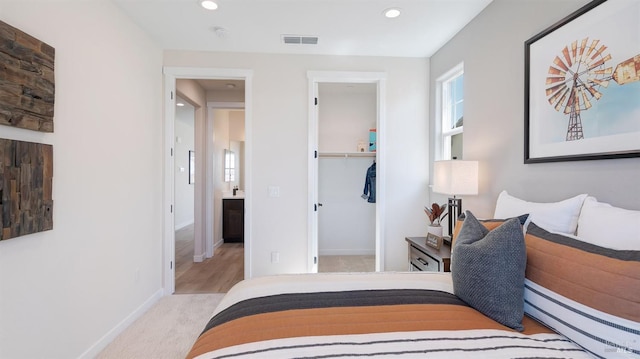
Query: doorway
342	154
347	114
195	271
204	175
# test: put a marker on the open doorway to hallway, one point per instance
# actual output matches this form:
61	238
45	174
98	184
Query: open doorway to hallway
209	130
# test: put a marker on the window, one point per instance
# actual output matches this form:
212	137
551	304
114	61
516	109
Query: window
229	166
451	89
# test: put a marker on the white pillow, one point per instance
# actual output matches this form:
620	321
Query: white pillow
610	227
561	217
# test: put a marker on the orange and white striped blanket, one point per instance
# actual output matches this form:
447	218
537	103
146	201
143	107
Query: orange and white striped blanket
390	315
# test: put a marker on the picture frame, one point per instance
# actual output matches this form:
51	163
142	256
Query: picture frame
192	167
434	241
582	86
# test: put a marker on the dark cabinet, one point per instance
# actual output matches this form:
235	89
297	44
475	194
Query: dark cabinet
233	220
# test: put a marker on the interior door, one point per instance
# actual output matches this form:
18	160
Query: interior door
313	177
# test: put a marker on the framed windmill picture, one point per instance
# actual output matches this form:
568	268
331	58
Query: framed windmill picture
582	85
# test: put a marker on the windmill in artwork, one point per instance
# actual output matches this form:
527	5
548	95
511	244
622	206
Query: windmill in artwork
577	76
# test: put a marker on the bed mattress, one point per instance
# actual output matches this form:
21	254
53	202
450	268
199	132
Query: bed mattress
379	315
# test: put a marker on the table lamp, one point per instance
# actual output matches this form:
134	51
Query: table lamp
455	177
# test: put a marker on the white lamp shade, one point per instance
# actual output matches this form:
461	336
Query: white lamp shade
455	177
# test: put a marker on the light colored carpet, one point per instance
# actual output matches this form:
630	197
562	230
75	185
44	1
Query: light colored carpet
329	264
167	330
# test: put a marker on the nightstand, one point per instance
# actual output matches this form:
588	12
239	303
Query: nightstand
425	258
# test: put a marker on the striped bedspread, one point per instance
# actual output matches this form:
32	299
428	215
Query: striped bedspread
379	315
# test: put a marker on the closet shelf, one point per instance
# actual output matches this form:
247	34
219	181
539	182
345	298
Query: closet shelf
347	154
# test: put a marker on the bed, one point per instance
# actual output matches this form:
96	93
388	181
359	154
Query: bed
566	298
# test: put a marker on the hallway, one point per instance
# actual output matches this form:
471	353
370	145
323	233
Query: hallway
214	275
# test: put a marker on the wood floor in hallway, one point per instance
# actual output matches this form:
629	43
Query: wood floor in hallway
213	275
226	268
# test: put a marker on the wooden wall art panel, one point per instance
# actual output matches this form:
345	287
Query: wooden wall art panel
27	86
26	183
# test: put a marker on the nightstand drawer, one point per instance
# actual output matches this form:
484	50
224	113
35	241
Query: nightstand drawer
421	261
425	258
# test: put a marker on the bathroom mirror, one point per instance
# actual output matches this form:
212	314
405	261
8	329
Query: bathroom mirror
229	166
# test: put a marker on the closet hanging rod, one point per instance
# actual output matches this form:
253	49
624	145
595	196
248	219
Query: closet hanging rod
347	154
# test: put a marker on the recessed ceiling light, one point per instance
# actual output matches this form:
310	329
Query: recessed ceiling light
391	12
208	4
179	104
230	86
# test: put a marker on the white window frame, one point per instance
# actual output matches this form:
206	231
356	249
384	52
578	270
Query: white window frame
229	166
443	122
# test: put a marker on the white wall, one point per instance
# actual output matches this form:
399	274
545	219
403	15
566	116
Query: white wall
280	135
492	48
345	115
195	94
185	142
63	290
346	222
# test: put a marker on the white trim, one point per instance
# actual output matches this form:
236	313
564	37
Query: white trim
209	186
453	72
378	78
199	258
171	74
381	170
168	269
453	132
312	193
106	339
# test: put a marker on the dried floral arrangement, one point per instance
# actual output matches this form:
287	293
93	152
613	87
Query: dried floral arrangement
436	213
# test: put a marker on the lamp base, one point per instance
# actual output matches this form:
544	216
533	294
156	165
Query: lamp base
455	210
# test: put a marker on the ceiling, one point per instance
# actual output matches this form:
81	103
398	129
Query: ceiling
343	27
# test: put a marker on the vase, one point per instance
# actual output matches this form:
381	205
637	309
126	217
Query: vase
435	229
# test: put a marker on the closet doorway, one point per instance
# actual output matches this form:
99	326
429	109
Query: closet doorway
345	172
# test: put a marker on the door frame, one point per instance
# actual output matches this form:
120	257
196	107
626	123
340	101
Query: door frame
315	78
204	165
211	107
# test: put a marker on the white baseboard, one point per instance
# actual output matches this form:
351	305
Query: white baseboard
102	343
347	252
199	257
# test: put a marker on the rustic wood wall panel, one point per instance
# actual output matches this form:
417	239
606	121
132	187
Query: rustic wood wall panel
27	85
26	183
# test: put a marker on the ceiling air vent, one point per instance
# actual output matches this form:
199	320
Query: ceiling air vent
298	40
